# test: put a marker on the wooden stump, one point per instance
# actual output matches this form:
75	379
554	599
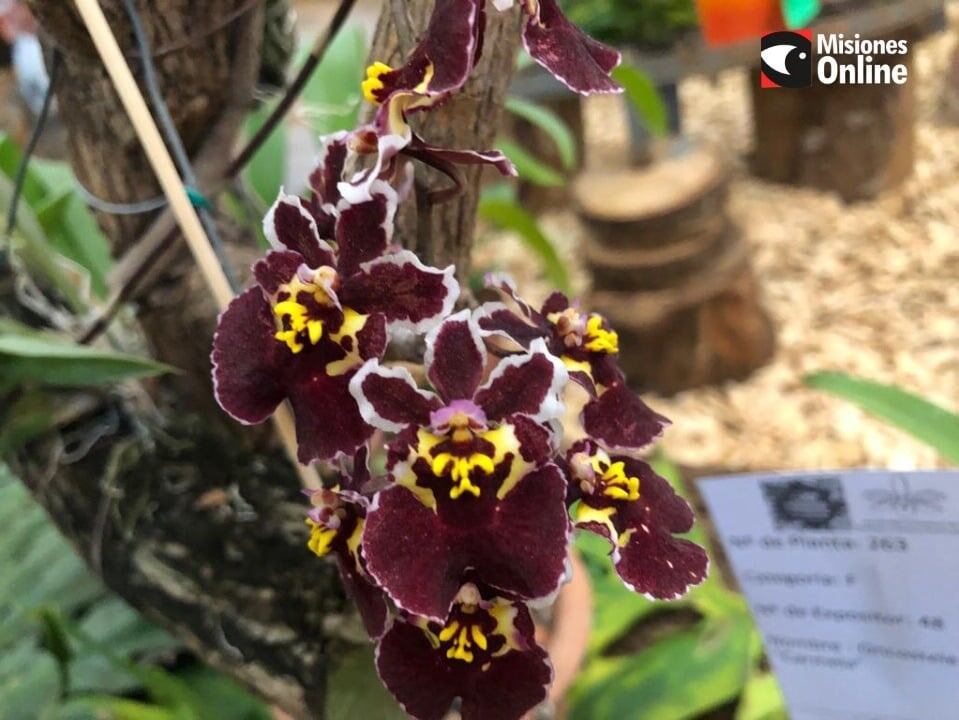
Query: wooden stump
855	140
673	274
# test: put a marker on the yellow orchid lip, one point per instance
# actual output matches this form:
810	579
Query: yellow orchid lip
295	326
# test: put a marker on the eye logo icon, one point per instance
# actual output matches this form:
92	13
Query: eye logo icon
787	59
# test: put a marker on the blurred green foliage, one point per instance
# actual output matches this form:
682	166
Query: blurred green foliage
650	23
70	650
933	425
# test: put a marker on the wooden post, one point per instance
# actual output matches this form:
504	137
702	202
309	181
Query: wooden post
673	273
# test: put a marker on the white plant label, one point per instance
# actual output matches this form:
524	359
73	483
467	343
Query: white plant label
853	578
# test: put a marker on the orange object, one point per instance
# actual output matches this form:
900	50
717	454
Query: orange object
729	21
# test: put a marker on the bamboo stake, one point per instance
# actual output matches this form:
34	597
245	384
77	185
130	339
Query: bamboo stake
166	172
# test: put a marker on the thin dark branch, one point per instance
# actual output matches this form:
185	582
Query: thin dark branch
293	91
55	67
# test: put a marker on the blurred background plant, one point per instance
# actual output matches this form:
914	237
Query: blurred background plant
651	23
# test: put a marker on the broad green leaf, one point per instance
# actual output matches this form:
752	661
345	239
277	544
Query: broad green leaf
354	691
332	97
267	168
530	169
27	418
616	609
73	232
218	696
53	362
678	678
925	421
30	244
34	189
762	699
508	215
550	123
114	708
644	97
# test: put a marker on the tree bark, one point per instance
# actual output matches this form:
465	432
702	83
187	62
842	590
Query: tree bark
193	519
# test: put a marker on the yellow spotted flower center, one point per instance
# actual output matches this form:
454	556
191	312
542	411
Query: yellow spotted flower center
460	638
461	468
295	326
598	471
588	333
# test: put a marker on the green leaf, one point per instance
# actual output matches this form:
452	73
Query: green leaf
73	232
27	418
644	97
616	609
355	691
508	215
550	123
53	362
762	699
55	642
925	421
332	98
530	169
218	696
678	678
267	168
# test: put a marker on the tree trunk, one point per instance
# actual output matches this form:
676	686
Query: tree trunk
193	519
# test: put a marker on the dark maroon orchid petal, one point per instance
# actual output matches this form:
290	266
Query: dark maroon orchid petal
389	399
372	339
523	551
620	419
537	442
416	674
291	226
246	380
328	421
420	557
364	230
485	654
426	152
525	384
660	566
573	58
443	60
410	556
276	269
455	357
370	601
329	169
557	302
410	295
659	505
513	685
498	323
606	371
